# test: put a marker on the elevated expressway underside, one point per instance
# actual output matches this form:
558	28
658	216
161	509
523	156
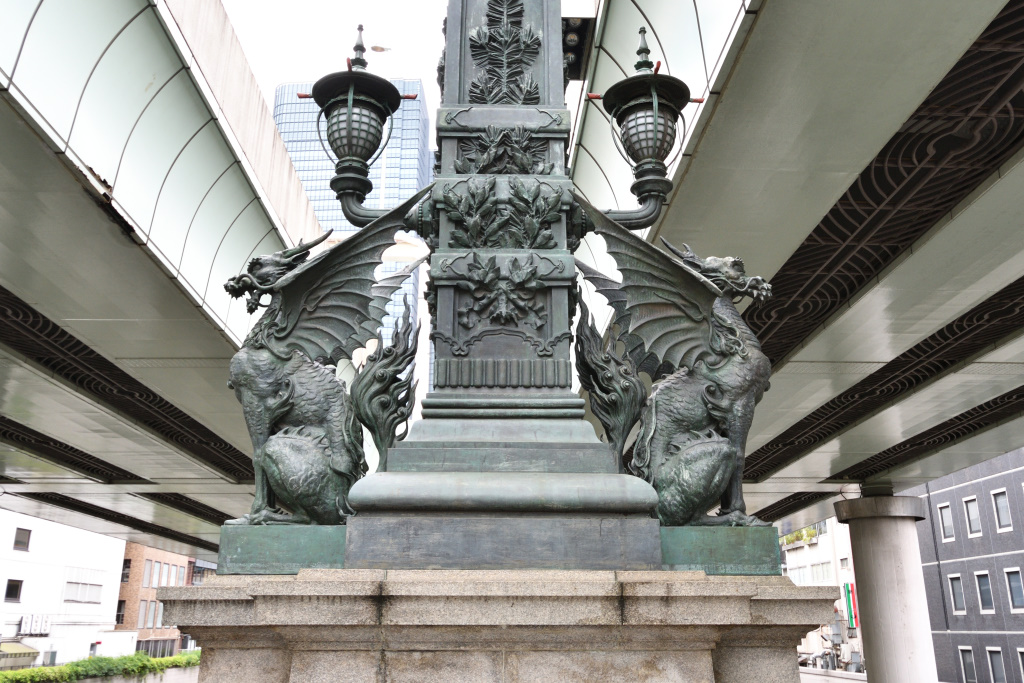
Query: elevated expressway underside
864	157
139	169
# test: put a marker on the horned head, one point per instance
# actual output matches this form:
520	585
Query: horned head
264	272
728	273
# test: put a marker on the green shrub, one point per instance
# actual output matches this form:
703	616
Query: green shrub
138	664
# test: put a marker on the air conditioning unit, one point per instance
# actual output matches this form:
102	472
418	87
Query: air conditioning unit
34	625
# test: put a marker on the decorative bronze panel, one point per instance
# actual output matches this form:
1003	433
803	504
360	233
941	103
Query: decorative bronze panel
999	410
59	453
971	123
503	373
790	504
31	334
994	319
109	515
185	504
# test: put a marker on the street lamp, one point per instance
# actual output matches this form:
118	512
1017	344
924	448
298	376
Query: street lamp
644	111
355	104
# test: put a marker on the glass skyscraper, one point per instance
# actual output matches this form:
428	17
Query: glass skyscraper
405	166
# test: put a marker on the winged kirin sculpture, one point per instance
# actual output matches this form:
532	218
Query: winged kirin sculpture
306	434
677	323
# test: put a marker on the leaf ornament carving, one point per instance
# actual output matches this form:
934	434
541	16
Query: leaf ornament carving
524	223
502	300
504	49
503	150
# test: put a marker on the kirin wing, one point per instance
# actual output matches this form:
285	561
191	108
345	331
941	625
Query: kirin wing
616	296
663	302
333	305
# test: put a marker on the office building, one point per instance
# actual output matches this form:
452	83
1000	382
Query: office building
60	593
143	570
972	552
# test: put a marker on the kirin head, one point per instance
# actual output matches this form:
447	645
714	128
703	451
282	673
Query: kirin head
727	273
264	272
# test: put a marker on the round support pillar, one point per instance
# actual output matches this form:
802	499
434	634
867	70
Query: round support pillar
897	633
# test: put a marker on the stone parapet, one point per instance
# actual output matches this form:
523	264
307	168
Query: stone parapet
509	626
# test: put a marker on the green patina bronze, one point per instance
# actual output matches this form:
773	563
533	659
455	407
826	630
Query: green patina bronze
280	549
502	435
733	551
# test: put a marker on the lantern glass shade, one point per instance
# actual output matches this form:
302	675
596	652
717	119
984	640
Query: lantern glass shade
357	133
641	138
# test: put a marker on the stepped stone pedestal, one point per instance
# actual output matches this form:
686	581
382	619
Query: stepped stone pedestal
506	626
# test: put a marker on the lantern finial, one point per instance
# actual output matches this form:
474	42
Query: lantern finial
644	65
359	62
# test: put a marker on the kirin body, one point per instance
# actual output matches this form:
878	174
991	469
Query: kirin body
678	324
305	429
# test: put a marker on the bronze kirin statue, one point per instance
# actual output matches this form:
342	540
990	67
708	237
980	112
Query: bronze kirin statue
677	323
305	428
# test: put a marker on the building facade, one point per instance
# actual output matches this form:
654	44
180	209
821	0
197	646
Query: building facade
972	552
821	555
60	593
143	571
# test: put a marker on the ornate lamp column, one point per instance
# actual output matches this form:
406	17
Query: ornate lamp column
503	471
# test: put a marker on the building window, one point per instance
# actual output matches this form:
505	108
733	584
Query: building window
146	572
1020	660
126	570
21	538
995	665
13	593
985	593
159	615
956	591
1002	507
156	574
1015	588
119	615
197	576
181	576
82	592
967	665
142	615
946	517
844	563
163	578
973	517
151	614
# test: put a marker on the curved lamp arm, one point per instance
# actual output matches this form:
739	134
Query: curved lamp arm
357	214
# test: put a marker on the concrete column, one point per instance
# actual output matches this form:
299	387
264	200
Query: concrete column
897	634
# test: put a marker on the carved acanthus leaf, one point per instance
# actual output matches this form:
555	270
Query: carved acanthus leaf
503	150
524	223
502	300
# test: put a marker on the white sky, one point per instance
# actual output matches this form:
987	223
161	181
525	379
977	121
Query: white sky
302	40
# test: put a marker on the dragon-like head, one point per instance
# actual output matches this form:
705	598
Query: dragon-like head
264	272
728	273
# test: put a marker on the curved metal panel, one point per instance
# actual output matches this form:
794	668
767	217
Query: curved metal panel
176	114
15	19
250	228
226	199
137	64
63	45
203	160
